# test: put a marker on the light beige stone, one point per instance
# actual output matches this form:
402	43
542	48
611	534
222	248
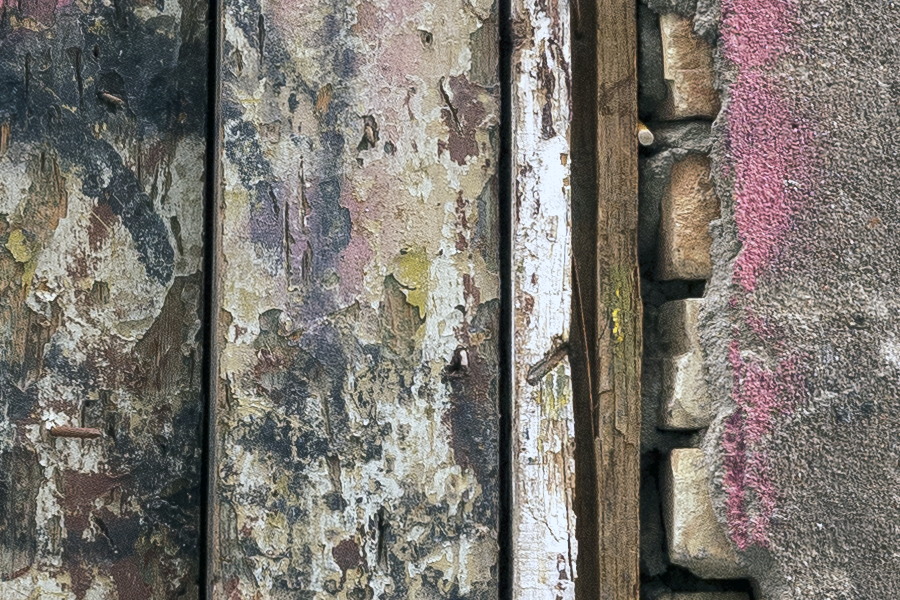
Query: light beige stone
685	402
696	540
688	71
688	206
678	326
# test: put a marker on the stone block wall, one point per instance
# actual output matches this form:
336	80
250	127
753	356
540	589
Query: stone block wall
768	244
686	554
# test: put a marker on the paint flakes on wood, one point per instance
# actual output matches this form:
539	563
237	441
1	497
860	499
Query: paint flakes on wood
100	249
356	420
544	545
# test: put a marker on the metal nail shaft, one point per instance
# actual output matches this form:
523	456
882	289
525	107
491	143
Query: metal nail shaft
115	100
81	433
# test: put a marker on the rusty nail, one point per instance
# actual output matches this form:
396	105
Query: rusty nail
644	135
81	433
112	99
541	368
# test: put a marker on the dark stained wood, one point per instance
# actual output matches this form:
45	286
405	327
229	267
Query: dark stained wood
618	311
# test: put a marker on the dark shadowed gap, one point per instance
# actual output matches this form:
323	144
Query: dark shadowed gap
211	243
583	333
507	318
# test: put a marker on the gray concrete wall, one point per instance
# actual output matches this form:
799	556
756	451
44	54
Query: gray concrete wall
800	330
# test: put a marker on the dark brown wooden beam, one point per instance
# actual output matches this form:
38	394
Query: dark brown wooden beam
607	315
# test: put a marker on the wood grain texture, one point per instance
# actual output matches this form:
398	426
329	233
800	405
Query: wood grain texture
102	118
606	350
618	310
544	548
356	416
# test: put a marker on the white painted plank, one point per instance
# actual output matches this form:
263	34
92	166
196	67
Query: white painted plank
544	546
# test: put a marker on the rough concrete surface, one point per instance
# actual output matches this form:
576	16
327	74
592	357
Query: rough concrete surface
705	596
801	324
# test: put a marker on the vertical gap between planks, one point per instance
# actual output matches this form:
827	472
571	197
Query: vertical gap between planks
507	388
583	332
211	248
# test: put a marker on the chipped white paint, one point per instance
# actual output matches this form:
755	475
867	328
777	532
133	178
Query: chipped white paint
356	460
544	546
100	254
134	304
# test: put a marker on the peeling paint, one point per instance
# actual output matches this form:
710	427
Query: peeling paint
100	298
544	548
358	167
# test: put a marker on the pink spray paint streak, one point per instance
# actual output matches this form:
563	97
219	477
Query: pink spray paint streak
768	146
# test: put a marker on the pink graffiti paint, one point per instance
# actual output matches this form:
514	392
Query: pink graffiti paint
768	146
767	142
755	32
761	327
735	464
43	11
762	395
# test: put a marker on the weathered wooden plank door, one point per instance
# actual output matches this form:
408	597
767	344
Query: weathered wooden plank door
358	347
102	120
357	360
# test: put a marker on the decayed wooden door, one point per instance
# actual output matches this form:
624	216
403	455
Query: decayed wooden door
388	300
361	326
102	120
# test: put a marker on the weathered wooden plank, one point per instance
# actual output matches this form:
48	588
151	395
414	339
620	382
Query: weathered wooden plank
607	314
618	304
102	112
356	414
544	548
